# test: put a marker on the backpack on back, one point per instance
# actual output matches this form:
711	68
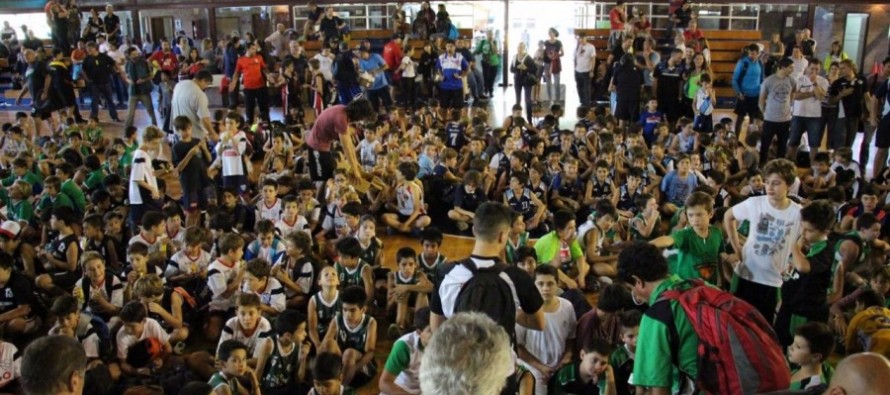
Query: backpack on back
738	352
488	293
452	32
106	344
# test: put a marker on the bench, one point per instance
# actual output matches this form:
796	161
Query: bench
725	46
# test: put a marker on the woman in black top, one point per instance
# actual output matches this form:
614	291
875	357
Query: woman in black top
524	77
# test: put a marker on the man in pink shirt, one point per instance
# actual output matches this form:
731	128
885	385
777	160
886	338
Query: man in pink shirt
336	124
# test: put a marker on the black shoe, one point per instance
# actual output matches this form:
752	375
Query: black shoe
80	120
117	120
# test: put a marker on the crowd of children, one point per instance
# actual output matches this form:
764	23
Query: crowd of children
278	271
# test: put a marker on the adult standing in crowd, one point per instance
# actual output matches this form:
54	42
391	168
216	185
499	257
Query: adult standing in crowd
95	25
746	80
189	100
98	69
392	55
650	60
525	77
54	364
451	68
346	75
112	25
881	115
139	76
667	85
617	19
553	53
378	92
279	41
38	82
230	60
585	60
58	22
469	354
336	124
331	25
627	81
474	76
775	102
491	226
848	92
487	49
253	68
807	111
313	14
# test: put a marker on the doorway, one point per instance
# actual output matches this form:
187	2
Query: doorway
161	27
855	31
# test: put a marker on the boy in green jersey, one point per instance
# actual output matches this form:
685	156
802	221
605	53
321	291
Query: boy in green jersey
698	245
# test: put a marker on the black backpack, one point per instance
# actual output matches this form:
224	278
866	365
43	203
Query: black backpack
488	293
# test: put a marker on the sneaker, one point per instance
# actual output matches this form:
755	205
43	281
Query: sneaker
394	332
179	348
605	280
462	226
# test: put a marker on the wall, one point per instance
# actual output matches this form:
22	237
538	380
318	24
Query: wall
185	15
829	26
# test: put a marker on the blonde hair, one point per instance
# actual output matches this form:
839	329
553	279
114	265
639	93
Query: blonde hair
149	284
90	256
152	133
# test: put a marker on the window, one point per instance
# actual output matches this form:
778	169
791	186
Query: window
36	22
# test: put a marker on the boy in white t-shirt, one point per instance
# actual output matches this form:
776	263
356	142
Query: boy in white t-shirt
230	153
269	206
543	353
291	220
774	225
137	327
224	277
408	67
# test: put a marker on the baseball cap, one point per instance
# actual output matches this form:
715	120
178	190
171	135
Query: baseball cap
10	229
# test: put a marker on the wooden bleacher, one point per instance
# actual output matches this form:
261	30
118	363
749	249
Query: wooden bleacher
725	46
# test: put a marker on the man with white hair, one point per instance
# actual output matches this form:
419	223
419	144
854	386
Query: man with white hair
468	354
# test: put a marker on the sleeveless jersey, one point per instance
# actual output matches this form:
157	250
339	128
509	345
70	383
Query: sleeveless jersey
601	189
431	269
280	367
512	248
326	312
351	277
356	339
627	199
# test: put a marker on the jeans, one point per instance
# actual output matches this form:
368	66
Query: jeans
475	82
103	91
845	130
812	126
131	108
378	95
120	88
780	131
582	82
409	92
256	97
518	87
551	79
489	72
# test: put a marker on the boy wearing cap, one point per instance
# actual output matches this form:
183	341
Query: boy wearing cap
17	316
22	253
